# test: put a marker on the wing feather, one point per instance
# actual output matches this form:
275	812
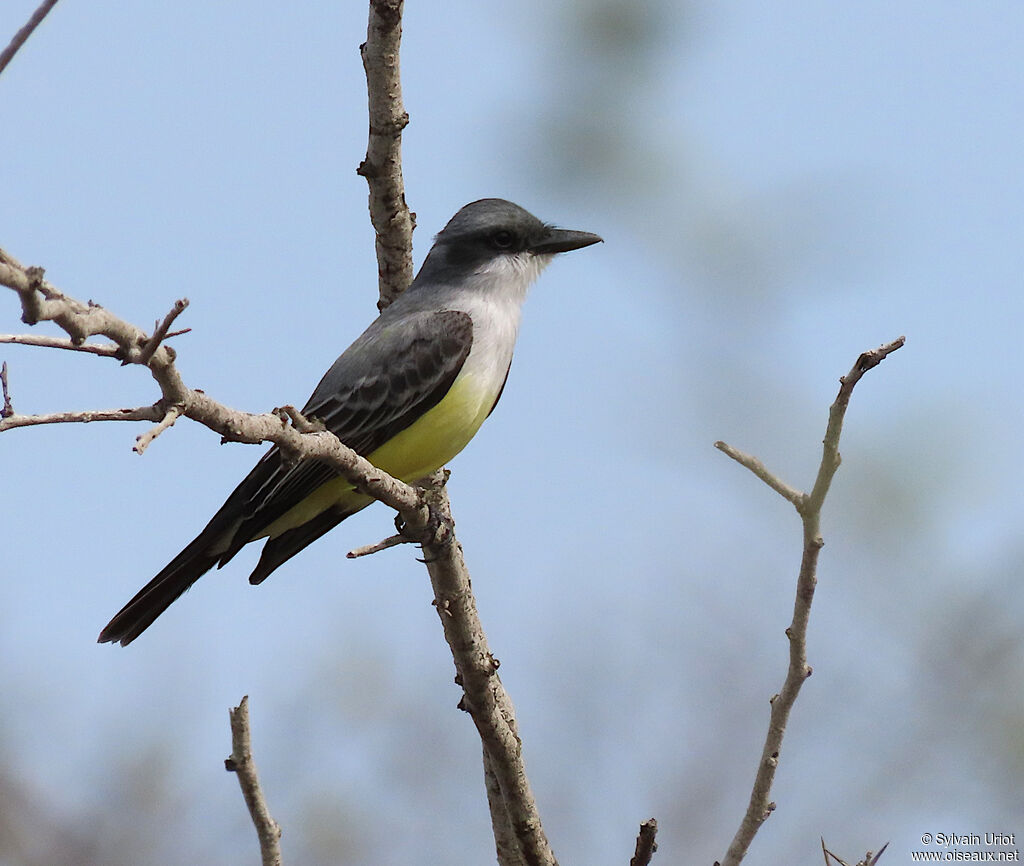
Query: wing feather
386	380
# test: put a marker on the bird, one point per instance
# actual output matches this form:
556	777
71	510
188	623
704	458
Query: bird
408	395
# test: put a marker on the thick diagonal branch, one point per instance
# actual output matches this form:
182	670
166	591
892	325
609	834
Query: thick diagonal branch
519	837
485	698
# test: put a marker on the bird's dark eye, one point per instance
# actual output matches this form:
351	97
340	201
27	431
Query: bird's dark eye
503	239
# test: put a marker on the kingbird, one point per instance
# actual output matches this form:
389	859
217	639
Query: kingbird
408	395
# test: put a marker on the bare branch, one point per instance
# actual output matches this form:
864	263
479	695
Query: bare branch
505	841
141	413
8	409
645	844
41	301
869	859
170	416
106	350
22	35
160	331
830	459
242	765
382	167
368	549
519	837
758	468
872	859
485	697
809	506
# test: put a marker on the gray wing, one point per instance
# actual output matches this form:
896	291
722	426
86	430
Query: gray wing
398	369
379	386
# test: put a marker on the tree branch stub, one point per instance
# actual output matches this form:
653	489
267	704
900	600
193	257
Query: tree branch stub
241	763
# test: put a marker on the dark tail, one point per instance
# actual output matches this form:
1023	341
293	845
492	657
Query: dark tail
282	548
222	538
157	595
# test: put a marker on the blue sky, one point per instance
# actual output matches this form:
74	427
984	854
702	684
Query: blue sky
780	187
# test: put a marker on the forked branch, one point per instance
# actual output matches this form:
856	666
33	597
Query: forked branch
809	506
300	438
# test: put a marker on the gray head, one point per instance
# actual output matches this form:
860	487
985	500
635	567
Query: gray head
492	230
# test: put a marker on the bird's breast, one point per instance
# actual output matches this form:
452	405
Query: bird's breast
444	430
441	432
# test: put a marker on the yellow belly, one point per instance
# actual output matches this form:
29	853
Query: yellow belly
426	445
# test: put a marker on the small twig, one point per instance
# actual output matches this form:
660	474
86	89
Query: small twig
830	459
106	350
299	421
22	35
809	506
141	413
242	765
869	859
368	549
170	416
160	331
829	856
8	409
645	843
758	468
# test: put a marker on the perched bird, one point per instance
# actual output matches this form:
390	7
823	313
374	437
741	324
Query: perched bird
408	395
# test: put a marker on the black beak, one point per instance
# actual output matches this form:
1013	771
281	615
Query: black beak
564	240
